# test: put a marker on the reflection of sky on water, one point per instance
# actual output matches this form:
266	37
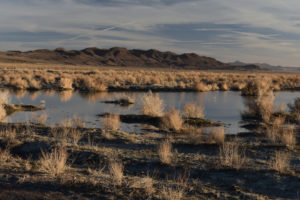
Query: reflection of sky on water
218	106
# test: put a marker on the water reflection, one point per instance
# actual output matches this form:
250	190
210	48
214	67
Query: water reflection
225	107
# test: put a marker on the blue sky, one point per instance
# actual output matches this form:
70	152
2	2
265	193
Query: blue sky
247	30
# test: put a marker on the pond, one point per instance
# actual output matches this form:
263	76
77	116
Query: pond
225	107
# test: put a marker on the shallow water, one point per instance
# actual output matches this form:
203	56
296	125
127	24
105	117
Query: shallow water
224	107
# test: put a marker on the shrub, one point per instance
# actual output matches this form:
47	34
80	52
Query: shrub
145	183
202	87
152	104
54	163
280	162
232	156
165	152
191	110
218	135
172	120
65	84
169	193
116	171
75	135
288	137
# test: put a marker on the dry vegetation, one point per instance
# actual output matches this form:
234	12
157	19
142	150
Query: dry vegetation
152	104
36	77
72	161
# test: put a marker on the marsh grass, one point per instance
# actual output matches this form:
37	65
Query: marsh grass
191	110
55	162
116	171
75	135
218	135
152	104
145	183
5	156
231	155
172	120
281	162
165	152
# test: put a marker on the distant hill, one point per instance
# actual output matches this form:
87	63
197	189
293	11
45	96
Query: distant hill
267	66
118	56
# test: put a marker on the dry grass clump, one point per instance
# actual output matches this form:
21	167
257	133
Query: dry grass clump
66	123
281	162
65	84
218	135
231	155
4	99
265	104
288	137
152	104
169	193
116	171
8	135
5	156
75	135
172	120
111	122
261	107
202	87
279	133
145	183
177	190
165	152
55	162
256	87
191	110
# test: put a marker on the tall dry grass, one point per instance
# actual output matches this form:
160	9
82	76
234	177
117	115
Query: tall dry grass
218	135
231	155
191	110
281	162
4	99
116	171
55	162
172	120
165	152
37	76
152	104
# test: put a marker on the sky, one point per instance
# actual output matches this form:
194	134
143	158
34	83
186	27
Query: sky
253	31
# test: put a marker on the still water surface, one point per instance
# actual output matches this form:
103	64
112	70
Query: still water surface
225	107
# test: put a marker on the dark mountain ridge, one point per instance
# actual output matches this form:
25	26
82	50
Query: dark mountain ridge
118	56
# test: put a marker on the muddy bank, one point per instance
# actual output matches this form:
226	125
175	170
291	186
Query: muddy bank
156	121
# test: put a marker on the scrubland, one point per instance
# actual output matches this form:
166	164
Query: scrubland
92	79
172	159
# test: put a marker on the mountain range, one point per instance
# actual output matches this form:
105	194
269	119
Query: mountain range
122	57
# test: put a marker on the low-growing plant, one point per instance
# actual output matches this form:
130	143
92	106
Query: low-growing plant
75	135
165	152
218	135
116	171
55	162
231	155
172	120
191	110
281	162
152	104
